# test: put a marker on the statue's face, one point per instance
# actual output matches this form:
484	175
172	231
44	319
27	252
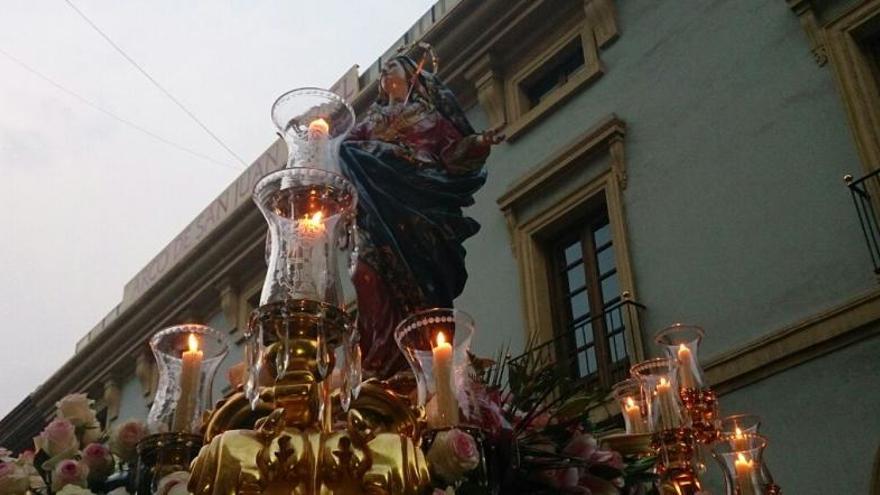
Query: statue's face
393	80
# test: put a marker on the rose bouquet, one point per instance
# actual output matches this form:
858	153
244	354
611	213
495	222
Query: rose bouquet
73	454
535	437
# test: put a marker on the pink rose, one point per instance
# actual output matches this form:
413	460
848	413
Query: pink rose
99	460
59	437
464	447
14	479
69	472
585	447
453	454
125	437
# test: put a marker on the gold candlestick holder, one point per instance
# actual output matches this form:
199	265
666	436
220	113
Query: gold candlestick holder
676	451
702	410
162	454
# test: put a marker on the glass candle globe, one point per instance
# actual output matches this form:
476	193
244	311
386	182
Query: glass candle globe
436	344
187	357
659	381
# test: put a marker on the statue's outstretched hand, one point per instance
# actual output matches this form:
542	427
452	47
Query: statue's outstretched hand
492	136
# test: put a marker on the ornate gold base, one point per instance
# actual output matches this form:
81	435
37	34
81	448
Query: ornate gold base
637	445
162	454
372	452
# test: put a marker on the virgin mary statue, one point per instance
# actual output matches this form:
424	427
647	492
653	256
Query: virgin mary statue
416	162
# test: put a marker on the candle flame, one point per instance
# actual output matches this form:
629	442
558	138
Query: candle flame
313	225
682	348
664	382
742	460
630	402
193	343
739	433
441	339
319	125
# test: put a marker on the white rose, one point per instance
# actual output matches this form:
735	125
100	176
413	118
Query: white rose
14	479
74	490
118	491
76	408
91	433
174	484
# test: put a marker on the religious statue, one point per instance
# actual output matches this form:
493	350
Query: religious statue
416	162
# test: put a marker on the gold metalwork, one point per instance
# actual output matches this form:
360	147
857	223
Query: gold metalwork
292	443
637	445
702	409
162	454
676	450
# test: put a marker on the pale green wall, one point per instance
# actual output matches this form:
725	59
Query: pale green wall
736	147
738	217
821	418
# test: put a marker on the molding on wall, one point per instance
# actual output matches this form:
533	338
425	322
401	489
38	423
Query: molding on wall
856	76
806	12
795	344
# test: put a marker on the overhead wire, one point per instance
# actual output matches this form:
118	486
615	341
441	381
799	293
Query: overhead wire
110	114
154	81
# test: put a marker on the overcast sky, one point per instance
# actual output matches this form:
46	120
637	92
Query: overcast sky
86	201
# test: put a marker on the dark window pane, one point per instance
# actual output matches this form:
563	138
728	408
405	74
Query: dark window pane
579	306
605	259
613	321
591	361
584	333
618	348
577	278
573	253
602	235
610	289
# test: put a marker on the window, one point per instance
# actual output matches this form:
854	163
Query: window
545	56
851	42
558	70
568	232
586	298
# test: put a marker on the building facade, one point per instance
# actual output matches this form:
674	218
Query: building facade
665	161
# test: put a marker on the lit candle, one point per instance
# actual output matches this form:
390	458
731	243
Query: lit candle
739	440
311	227
685	367
744	468
190	373
669	416
633	415
317	148
446	401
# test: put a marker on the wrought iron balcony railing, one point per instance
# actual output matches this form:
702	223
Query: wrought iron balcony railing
866	198
578	353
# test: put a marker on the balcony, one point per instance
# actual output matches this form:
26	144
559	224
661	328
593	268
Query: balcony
866	198
579	355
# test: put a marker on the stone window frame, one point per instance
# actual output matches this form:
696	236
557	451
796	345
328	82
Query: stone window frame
528	234
498	79
840	42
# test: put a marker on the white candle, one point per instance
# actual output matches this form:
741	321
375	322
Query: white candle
744	468
685	368
446	401
633	416
190	373
317	148
669	415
